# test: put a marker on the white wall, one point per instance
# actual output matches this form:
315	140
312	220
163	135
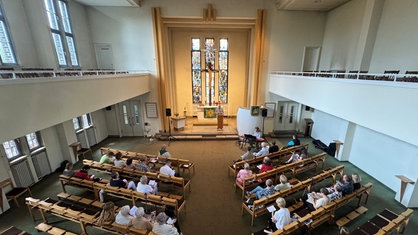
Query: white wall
395	46
51	101
99	122
328	128
53	148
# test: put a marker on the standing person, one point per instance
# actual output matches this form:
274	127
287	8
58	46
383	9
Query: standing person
281	217
274	147
220	116
163	152
107	158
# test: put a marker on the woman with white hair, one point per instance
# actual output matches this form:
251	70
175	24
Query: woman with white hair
263	151
123	217
161	227
144	187
139	221
244	173
281	217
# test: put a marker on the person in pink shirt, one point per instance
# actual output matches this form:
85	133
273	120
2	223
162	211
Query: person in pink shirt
244	173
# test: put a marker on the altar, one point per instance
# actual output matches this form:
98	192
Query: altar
206	114
179	123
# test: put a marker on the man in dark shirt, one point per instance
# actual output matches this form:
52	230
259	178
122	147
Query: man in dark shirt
116	181
346	184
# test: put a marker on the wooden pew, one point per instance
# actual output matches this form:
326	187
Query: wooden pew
176	201
260	206
180	164
386	222
325	213
13	231
294	168
279	156
136	174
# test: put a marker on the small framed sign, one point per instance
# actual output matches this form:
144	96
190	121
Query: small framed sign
255	110
151	109
271	109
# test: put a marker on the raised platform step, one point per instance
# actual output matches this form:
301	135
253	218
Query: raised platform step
166	136
208	124
286	134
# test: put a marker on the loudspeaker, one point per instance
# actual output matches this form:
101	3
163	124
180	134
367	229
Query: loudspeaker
109	108
264	112
168	112
307	108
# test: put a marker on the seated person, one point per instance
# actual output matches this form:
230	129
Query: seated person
171	214
107	216
356	181
295	157
281	217
142	166
161	227
68	171
294	142
140	221
263	151
303	153
118	160
163	152
84	174
315	200
257	133
262	192
123	217
346	184
107	158
130	164
168	170
266	166
144	187
283	183
274	147
116	181
334	192
244	173
246	156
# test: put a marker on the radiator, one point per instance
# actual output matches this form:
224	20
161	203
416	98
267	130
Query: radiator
22	174
41	164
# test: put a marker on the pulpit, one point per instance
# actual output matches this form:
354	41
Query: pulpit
178	123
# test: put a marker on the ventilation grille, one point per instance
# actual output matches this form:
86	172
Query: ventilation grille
22	174
41	164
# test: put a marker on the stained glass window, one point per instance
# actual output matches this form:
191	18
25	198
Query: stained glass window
210	66
207	73
196	72
223	71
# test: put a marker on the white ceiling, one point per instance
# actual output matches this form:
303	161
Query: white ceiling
290	5
308	5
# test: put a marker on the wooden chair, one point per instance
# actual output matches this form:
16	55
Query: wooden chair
14	193
79	150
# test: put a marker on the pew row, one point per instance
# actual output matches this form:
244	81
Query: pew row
136	174
279	156
79	212
386	222
178	163
260	206
326	213
163	199
294	168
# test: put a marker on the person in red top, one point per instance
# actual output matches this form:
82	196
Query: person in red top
266	166
83	173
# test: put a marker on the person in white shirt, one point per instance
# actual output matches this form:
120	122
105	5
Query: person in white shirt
161	227
257	132
263	151
143	187
123	217
118	160
281	217
166	169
